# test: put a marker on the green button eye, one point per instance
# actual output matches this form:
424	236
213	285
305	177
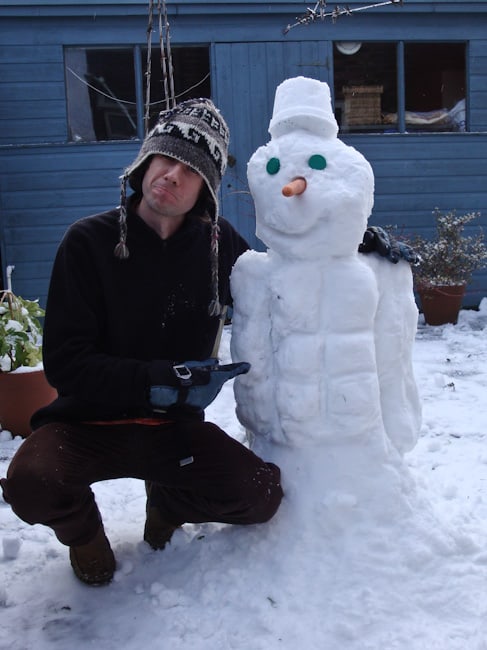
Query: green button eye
273	166
317	162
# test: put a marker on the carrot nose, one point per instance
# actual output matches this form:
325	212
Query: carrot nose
295	187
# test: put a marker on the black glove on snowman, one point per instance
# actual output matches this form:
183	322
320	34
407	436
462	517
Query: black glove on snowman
377	240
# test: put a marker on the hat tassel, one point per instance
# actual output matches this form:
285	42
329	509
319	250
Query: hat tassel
121	250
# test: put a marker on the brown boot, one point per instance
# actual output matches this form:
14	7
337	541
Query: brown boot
157	532
93	563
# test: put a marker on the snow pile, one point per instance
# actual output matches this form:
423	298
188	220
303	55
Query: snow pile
230	588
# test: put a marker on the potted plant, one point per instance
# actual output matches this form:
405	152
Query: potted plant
23	386
446	264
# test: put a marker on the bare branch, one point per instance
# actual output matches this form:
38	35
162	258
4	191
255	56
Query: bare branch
319	11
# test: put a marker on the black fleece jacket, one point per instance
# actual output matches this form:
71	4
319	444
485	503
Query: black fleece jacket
111	325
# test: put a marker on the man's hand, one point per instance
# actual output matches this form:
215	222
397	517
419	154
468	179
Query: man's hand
195	384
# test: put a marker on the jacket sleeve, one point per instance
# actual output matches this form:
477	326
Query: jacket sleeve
75	360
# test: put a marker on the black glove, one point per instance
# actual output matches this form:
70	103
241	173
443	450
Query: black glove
377	240
194	384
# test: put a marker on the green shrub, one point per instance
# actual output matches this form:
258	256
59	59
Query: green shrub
20	332
451	256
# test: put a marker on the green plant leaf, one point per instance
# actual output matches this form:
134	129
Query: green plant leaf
20	332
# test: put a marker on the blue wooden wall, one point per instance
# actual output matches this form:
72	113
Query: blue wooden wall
46	183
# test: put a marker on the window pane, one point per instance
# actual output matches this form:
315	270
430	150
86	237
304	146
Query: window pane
366	86
191	72
100	87
435	86
365	80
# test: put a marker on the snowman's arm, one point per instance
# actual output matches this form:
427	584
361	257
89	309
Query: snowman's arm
251	338
249	289
394	331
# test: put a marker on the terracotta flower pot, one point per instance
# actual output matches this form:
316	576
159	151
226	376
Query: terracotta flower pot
21	394
441	304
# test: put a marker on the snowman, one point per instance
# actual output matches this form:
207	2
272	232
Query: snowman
331	396
328	330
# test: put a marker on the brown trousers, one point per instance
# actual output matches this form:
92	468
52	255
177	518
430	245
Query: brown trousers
201	474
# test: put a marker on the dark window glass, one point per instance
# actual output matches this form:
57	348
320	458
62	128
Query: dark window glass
435	86
101	88
366	88
191	66
365	84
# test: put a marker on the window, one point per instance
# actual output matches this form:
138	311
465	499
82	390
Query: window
106	88
390	87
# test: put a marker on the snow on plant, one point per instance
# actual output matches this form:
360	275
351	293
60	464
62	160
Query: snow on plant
451	256
20	332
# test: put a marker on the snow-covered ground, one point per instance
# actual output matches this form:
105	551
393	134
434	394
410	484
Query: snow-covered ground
333	581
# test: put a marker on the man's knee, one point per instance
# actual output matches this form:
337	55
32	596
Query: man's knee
22	490
29	482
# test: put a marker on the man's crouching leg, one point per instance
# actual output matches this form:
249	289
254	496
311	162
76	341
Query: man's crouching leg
157	531
45	485
223	481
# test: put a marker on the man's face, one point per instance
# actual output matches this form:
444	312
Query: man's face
169	187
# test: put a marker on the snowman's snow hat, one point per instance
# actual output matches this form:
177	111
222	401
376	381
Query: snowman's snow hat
303	103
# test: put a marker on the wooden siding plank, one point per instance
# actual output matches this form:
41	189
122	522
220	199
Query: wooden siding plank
39	269
83	178
38	253
478	83
22	235
427	185
478	55
32	129
72	156
68	197
410	203
33	216
33	91
48	108
482	119
420	146
29	53
453	169
20	73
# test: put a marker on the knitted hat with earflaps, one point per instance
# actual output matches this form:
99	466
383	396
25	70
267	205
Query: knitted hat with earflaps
195	133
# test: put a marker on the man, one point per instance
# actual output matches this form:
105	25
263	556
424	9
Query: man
133	311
